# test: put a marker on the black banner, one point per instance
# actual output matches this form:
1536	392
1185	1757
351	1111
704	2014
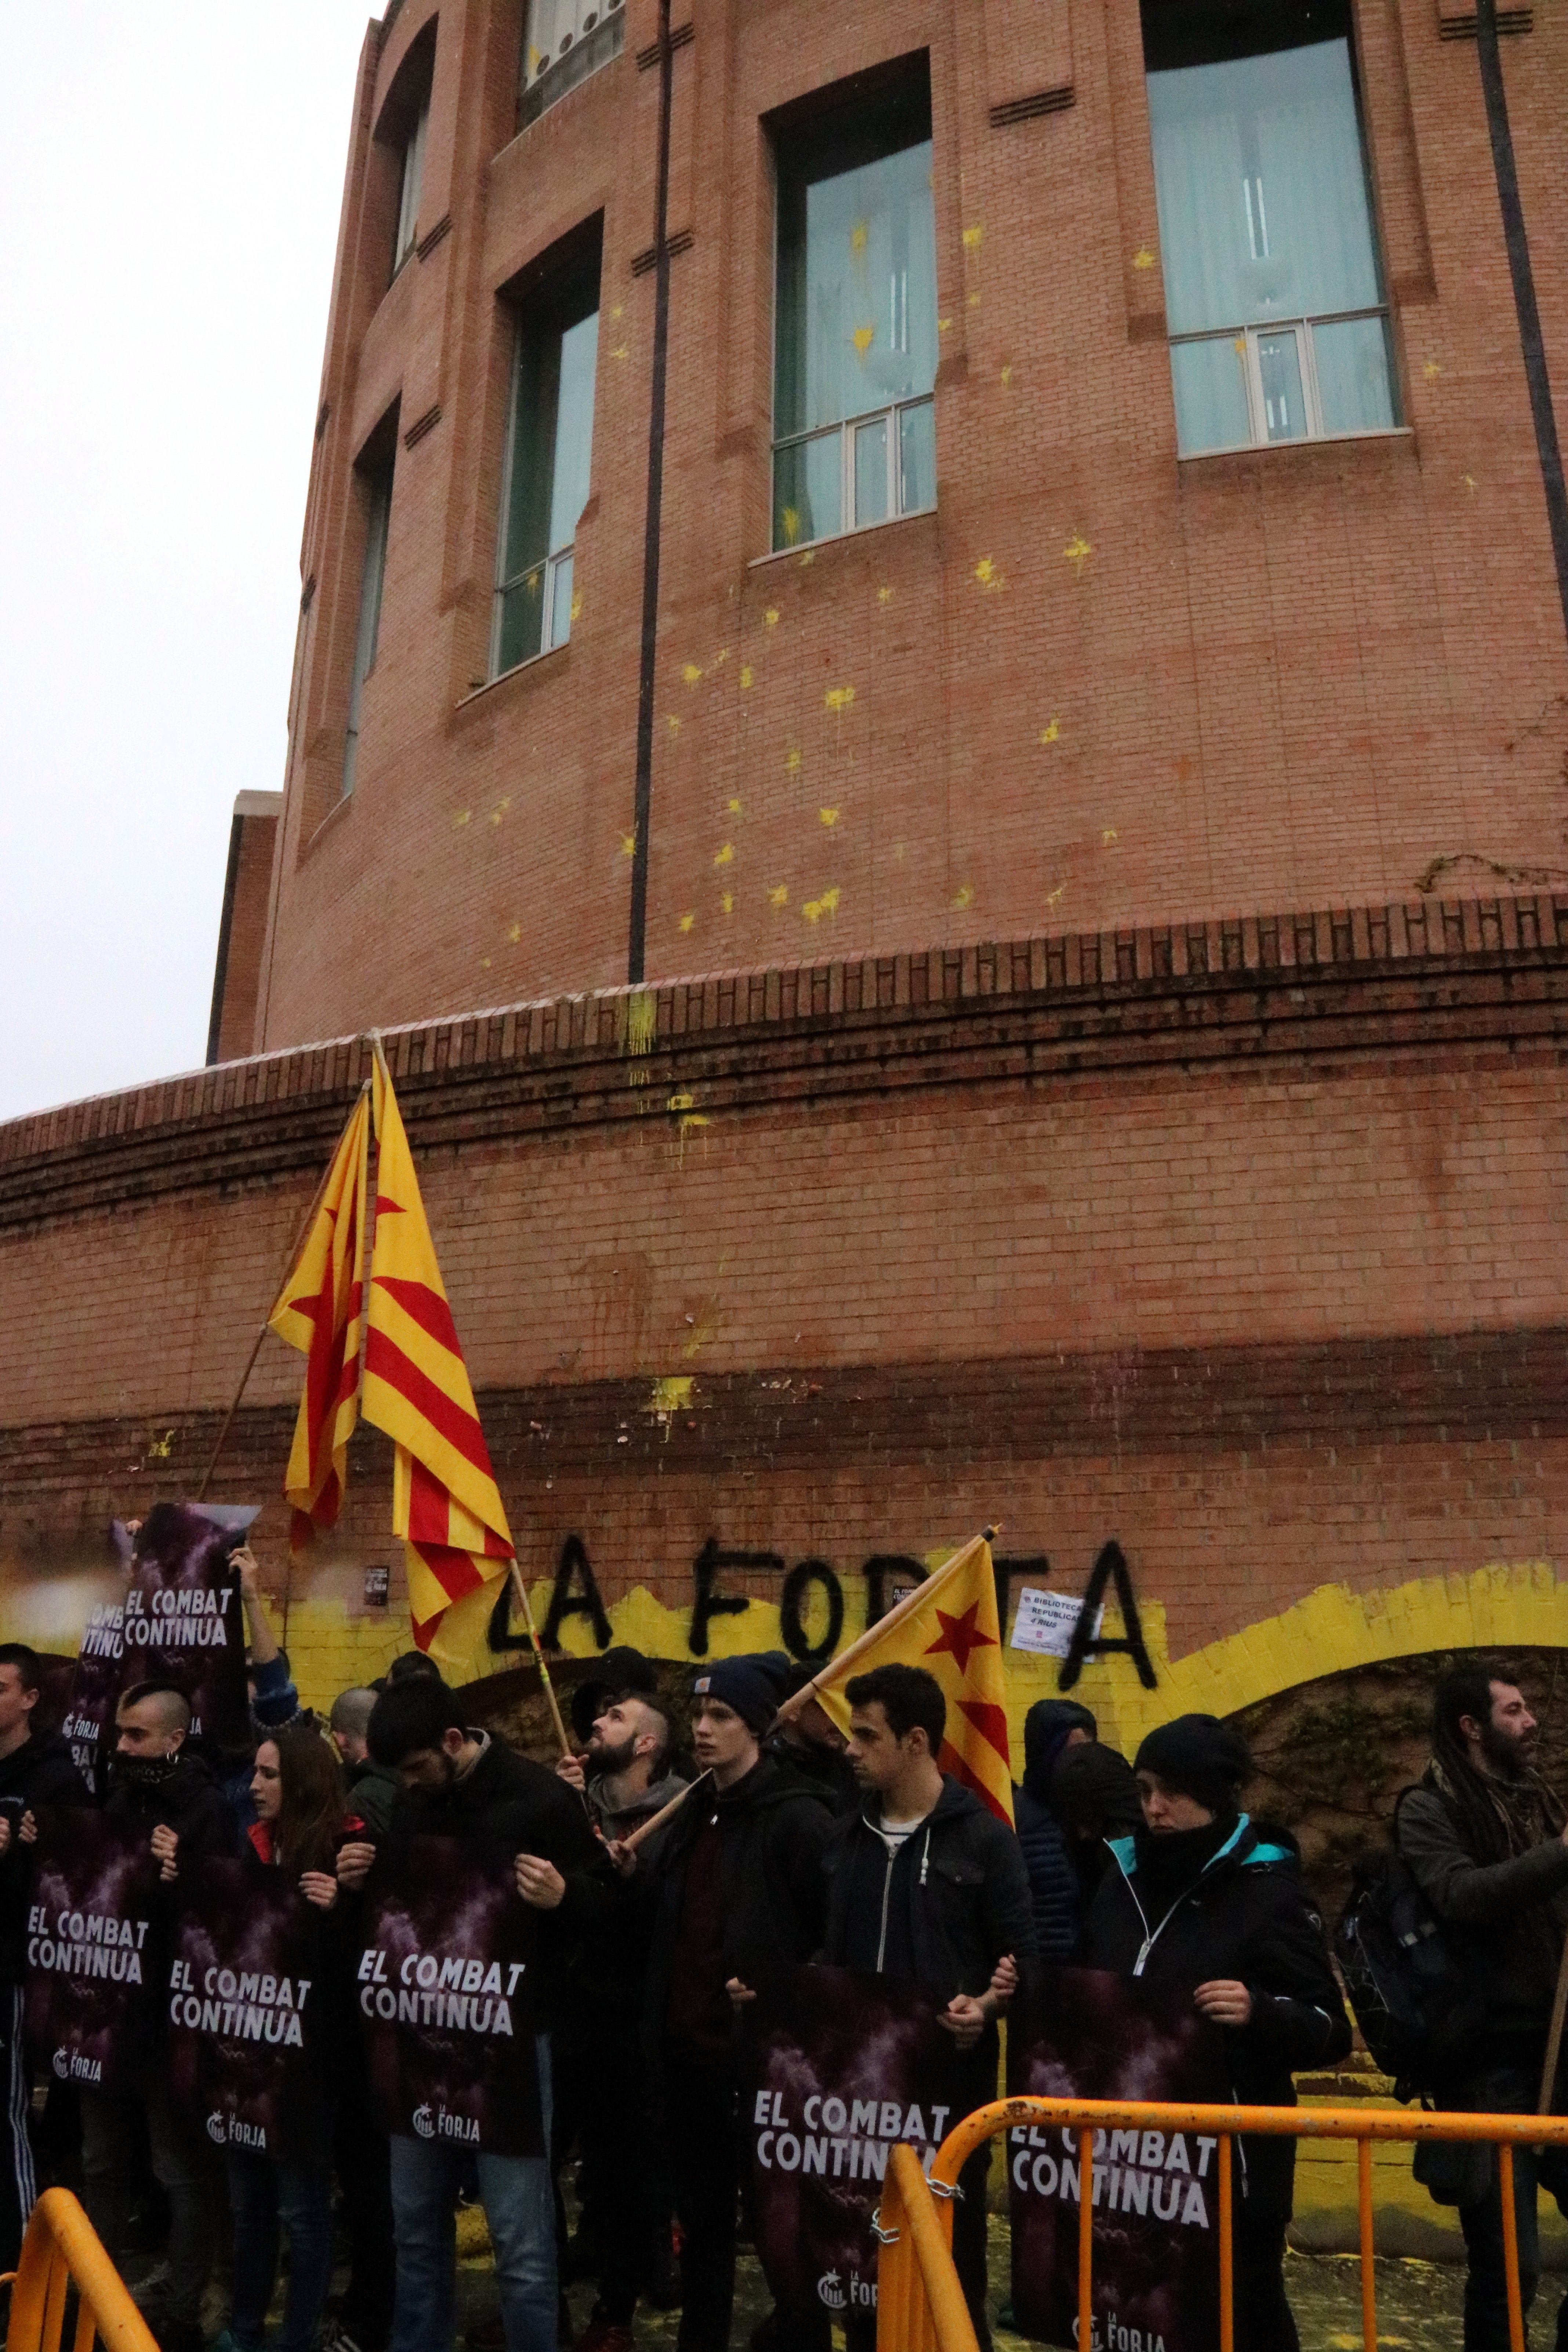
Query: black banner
184	1622
846	2065
1082	2033
244	2000
90	1961
95	1688
445	1989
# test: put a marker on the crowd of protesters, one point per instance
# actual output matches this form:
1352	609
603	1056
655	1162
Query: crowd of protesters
794	1844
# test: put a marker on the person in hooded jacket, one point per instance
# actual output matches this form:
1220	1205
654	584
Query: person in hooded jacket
926	1885
1094	1797
736	1892
1052	1728
157	1781
1200	1897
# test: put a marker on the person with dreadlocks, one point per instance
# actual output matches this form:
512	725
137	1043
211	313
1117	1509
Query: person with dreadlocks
1486	1839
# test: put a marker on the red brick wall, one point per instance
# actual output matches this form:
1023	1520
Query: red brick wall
244	936
1301	676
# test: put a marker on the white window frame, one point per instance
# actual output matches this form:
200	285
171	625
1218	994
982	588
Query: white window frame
1245	341
551	568
413	189
367	628
590	46
846	429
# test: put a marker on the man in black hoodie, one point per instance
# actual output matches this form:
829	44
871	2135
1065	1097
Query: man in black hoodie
736	1891
517	1819
927	1885
35	1768
156	1781
1198	1897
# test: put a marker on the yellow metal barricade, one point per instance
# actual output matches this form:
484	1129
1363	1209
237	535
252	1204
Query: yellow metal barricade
62	2250
921	2308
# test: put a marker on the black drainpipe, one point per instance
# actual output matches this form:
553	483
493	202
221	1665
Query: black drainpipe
1546	443
636	950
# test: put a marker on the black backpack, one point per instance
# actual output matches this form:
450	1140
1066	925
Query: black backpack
1414	2002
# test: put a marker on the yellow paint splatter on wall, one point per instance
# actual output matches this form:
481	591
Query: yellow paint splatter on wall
1432	371
791	760
964	895
1050	734
642	1017
628	844
461	817
829	816
728	902
484	963
687	921
1077	551
1142	259
974	237
814	909
745	677
500	809
838	697
669	1396
1007	375
990	575
515	934
734	806
944	326
771	618
809	557
680	1102
577	606
863	338
778	896
720	658
1053	897
691	673
673	723
1109	835
621	352
884	595
725	856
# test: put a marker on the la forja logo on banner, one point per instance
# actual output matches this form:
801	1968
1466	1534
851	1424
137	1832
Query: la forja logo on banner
437	2123
455	1993
1134	2172
70	2066
1110	2334
842	2142
230	2131
832	2290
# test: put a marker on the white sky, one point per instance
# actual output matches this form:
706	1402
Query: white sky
170	179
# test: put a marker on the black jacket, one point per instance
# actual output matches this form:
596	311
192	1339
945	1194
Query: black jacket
1053	1889
968	1893
772	1827
1247	1916
1503	1921
42	1772
373	1792
189	1801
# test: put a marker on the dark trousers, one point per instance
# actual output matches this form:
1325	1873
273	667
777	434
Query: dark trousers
18	2188
260	2193
703	2143
110	2154
1508	2088
1264	2320
601	2108
364	2182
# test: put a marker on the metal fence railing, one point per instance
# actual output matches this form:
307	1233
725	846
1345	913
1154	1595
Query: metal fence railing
62	2250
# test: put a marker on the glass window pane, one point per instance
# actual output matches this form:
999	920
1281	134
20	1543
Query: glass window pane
808	491
871	472
561	600
1355	375
1210	385
857	307
1262	190
526	537
916	459
1279	367
574	429
521	632
413	183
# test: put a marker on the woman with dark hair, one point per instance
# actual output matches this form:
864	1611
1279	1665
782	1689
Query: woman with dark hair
298	1786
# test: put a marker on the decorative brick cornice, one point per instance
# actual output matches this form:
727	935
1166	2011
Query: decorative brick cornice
1445	976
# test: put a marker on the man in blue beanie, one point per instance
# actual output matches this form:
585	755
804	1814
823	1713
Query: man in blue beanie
737	1891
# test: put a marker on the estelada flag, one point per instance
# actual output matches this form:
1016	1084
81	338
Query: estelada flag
445	1501
318	1311
950	1626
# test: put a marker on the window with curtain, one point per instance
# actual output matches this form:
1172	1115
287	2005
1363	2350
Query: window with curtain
563	42
413	188
856	349
550	449
1274	295
372	577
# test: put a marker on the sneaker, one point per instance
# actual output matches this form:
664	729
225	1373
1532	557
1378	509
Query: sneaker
605	2336
333	2337
152	2287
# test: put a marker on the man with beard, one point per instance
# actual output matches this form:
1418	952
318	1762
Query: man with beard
512	1817
601	2090
156	1781
1486	1839
926	1885
35	1768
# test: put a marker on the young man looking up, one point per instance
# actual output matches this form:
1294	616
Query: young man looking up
925	1884
737	1892
514	1818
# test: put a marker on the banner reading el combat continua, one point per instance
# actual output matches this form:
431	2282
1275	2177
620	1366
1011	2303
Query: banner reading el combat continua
243	2000
94	1686
1082	2033
444	1987
184	1623
847	2065
90	1923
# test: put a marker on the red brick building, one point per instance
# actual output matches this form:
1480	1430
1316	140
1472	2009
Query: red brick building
1109	714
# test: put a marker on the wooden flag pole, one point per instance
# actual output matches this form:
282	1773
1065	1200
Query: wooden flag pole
801	1698
290	1262
1554	2037
630	1844
520	1589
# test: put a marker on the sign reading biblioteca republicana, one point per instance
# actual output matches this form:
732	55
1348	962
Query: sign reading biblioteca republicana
443	1987
845	2066
91	1910
1083	2034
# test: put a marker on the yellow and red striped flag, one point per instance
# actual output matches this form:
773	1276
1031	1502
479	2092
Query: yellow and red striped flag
950	1626
318	1311
445	1501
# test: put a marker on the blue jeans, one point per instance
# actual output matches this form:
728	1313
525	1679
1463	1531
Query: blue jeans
515	2191
260	2192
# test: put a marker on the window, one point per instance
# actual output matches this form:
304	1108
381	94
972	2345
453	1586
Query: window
412	187
376	478
549	447
565	41
856	340
1273	284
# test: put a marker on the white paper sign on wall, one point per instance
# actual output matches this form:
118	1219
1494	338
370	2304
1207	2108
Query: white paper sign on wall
1045	1621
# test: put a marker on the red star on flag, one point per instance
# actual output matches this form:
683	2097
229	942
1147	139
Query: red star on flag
960	1635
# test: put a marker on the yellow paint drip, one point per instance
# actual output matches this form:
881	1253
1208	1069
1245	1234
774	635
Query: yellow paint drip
725	856
515	934
670	1394
642	1017
884	595
1050	734
814	909
1142	259
829	816
680	1102
771	618
1077	551
1108	836
792	761
778	896
863	338
628	844
463	817
687	921
728	902
745	676
965	896
838	697
974	237
734	806
692	673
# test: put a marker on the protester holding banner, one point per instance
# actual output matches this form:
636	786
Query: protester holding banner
474	1827
35	1768
373	1790
1199	1898
1094	1796
736	1892
926	1886
1052	1728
